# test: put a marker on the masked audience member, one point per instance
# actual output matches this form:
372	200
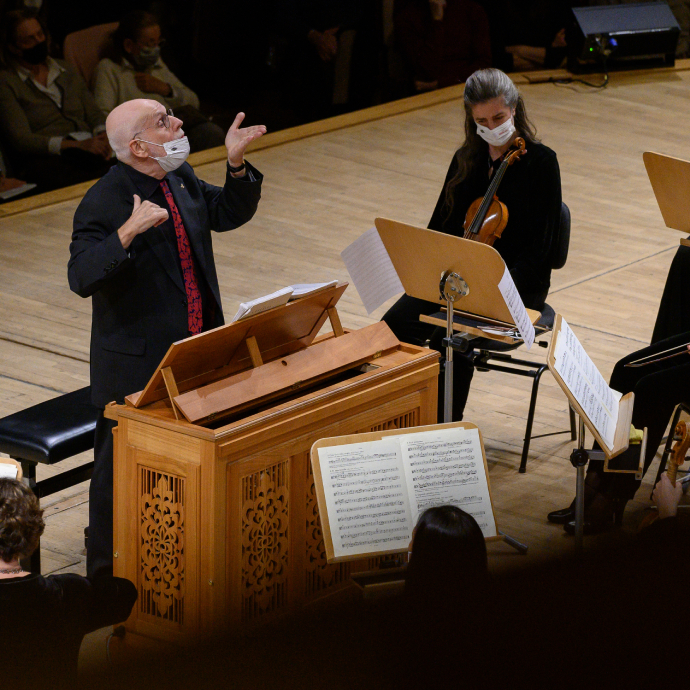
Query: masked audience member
136	70
50	123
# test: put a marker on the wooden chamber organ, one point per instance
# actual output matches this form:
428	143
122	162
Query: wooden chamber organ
216	519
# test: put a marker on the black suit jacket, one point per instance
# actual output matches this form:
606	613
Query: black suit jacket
139	299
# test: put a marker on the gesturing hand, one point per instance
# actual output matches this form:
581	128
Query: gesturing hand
145	215
237	140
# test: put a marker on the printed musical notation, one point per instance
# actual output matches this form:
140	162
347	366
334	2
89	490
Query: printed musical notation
366	496
376	490
440	467
588	386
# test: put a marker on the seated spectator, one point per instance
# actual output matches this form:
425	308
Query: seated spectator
443	41
43	619
52	127
136	70
528	34
327	47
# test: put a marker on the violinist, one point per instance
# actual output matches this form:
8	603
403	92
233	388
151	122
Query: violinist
495	117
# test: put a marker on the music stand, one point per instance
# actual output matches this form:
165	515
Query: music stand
670	180
580	456
443	269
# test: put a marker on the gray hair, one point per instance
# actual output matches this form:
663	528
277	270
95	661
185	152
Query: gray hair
487	84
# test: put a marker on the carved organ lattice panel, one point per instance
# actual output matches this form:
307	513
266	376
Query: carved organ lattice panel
265	541
162	545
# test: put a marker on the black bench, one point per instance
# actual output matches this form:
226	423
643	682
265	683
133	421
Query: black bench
48	433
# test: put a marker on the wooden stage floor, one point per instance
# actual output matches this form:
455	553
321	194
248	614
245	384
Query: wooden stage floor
324	185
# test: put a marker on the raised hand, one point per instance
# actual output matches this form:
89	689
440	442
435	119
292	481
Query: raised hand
145	215
237	140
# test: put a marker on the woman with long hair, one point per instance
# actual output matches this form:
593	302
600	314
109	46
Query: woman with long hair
495	116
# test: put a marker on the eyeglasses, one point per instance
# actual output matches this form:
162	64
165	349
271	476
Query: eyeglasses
163	122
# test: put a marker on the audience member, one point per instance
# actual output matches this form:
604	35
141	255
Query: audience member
136	70
49	120
43	619
443	41
323	38
527	34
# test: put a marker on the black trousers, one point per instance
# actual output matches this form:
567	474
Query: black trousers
658	389
403	319
99	553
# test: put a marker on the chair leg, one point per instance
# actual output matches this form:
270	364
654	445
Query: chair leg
530	418
573	428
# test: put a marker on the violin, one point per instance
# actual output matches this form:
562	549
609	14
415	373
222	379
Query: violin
487	217
681	436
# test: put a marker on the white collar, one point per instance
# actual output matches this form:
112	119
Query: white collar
54	71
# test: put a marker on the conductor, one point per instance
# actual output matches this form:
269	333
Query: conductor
141	249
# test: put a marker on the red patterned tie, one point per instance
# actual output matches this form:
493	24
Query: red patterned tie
194	314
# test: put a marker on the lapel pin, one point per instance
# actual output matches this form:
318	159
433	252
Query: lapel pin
181	185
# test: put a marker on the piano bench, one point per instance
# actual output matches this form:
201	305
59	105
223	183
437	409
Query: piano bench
48	433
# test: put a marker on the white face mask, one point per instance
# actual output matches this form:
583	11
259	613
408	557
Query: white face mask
499	135
176	153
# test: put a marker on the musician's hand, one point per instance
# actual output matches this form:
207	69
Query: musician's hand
145	215
237	140
666	497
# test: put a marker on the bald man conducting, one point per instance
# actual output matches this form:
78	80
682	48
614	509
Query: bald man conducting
141	249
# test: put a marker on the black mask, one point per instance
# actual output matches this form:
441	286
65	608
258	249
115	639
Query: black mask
37	54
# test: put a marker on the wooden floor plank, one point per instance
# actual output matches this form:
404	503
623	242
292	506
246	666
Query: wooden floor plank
323	188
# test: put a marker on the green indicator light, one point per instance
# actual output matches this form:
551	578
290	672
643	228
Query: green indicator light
591	50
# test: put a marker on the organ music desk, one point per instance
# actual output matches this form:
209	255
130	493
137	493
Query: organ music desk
216	519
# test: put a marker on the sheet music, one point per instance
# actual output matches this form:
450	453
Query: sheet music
447	467
371	270
585	382
516	308
366	497
262	304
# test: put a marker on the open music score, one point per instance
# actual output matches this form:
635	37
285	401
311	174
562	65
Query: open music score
371	488
604	411
586	383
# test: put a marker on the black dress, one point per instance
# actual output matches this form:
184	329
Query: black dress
43	621
531	190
